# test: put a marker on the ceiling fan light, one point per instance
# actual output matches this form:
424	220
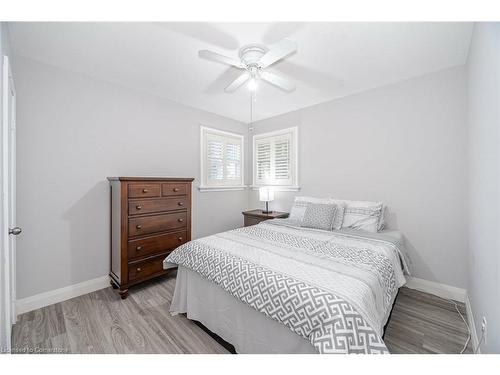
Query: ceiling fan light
252	84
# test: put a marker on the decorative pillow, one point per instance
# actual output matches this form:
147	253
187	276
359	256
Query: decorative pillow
363	215
319	216
300	204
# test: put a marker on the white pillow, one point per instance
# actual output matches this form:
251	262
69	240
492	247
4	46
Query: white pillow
363	215
339	214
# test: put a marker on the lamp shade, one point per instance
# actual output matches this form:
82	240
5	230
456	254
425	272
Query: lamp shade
266	194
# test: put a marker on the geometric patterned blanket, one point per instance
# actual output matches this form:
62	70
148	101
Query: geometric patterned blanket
333	289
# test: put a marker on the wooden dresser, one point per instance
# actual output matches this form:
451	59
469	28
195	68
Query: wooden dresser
150	217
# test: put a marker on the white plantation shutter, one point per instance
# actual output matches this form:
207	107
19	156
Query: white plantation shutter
263	158
233	161
222	156
282	160
215	156
275	158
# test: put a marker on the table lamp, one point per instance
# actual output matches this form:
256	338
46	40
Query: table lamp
266	194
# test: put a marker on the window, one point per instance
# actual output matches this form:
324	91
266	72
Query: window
275	159
221	160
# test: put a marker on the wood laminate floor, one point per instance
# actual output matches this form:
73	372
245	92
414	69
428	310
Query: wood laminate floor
100	322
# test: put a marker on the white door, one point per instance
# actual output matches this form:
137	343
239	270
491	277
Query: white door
9	229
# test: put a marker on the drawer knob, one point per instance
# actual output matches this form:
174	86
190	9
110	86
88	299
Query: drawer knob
138	226
180	204
138	208
176	190
180	220
138	248
145	190
138	269
180	238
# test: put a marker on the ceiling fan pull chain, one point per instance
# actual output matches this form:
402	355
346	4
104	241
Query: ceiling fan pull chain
251	106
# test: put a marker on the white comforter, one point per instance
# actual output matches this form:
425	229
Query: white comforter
335	289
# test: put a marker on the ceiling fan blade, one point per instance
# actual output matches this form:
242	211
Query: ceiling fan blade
213	56
237	82
277	81
279	51
216	87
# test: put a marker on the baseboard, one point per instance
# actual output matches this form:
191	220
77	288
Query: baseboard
438	289
472	325
58	295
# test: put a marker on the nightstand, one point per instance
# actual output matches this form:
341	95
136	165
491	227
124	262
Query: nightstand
253	217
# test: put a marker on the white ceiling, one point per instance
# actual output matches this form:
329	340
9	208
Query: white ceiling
333	59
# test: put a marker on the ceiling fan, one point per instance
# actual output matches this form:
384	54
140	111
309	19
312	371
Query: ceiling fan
254	59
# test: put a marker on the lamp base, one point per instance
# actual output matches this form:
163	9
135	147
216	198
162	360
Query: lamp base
267	212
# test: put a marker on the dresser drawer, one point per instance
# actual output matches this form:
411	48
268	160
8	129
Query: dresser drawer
157	244
157	205
172	188
145	269
143	190
158	223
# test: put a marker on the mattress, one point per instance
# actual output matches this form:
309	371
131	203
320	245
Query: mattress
332	289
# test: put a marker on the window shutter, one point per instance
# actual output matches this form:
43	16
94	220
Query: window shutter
275	158
221	158
233	161
282	159
263	160
215	156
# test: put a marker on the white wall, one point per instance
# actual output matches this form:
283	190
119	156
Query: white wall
402	144
484	182
72	133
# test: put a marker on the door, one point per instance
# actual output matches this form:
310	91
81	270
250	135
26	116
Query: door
9	229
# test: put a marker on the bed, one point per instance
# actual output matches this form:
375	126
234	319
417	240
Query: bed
277	287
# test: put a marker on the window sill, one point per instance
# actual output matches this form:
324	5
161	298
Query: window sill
278	188
221	188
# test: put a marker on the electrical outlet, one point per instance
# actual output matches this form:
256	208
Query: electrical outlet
484	327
